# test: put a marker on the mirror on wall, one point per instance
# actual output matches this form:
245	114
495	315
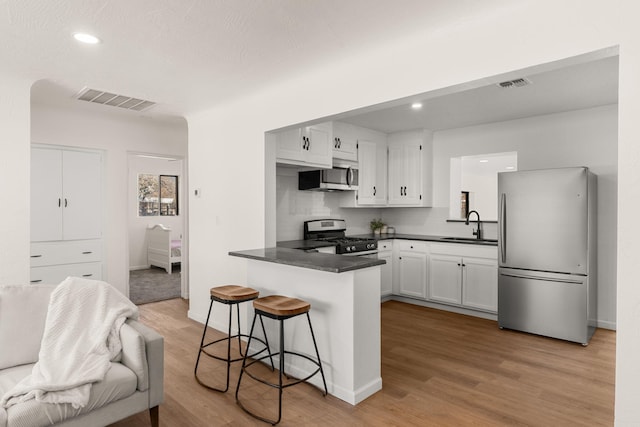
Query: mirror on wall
474	183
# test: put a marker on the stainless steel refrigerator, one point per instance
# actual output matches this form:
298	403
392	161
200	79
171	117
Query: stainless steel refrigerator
547	281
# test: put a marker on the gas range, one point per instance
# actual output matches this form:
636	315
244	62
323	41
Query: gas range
333	230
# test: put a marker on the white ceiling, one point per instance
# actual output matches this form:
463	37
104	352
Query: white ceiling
584	85
189	55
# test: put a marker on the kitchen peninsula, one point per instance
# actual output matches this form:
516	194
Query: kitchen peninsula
344	293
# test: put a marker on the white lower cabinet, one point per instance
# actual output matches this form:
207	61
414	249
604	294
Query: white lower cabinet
480	282
385	252
454	274
52	262
464	275
411	261
445	279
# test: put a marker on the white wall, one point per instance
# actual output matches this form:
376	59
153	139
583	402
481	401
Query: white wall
470	47
138	224
14	173
117	136
578	138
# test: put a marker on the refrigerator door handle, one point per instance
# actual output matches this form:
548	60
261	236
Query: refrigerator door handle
545	279
503	227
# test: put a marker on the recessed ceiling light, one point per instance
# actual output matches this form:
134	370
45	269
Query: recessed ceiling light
86	38
484	161
416	105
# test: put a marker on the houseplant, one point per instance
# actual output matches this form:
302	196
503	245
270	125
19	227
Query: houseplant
376	225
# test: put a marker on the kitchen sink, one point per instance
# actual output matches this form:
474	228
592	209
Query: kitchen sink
469	240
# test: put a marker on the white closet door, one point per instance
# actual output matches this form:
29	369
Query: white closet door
46	194
82	199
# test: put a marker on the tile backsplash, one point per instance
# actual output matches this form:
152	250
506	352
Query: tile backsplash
294	207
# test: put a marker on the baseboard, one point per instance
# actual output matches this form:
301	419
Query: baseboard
444	307
606	325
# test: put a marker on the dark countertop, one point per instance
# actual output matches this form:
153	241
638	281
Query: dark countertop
314	260
427	238
304	244
314	244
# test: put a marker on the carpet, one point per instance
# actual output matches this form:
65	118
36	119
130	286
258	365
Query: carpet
154	284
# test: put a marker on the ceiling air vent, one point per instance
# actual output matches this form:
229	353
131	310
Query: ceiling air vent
114	100
514	83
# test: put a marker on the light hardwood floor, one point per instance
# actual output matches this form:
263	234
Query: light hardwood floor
438	368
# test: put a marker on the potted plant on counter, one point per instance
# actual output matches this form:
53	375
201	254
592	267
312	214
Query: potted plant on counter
376	226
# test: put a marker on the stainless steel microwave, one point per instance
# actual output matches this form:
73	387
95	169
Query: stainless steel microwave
336	179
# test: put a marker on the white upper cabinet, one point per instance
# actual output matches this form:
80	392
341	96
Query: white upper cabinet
410	169
309	146
345	142
46	194
372	162
66	194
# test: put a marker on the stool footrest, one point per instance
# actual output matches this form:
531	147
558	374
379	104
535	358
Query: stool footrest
274	385
224	339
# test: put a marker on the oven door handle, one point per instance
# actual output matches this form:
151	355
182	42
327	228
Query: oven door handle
361	253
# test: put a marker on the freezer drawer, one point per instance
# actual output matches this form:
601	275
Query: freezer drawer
553	305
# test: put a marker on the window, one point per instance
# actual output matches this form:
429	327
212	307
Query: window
157	195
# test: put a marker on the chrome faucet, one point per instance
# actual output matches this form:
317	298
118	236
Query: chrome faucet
478	232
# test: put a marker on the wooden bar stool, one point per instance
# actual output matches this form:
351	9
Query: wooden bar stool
230	295
279	308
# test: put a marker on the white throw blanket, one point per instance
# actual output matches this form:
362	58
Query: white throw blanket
81	337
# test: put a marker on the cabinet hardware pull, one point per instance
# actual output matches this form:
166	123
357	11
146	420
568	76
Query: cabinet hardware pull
36	281
459	265
87	252
65	202
36	256
374	190
339	143
87	275
59	202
